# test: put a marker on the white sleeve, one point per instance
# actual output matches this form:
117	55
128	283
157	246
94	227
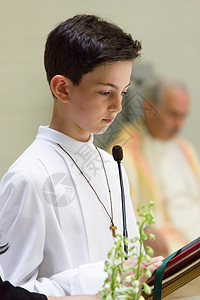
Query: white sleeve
22	225
1	273
86	279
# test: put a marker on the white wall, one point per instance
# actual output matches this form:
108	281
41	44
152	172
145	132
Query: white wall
169	31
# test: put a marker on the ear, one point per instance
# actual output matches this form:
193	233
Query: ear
60	86
150	111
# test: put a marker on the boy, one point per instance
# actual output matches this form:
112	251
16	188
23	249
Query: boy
60	201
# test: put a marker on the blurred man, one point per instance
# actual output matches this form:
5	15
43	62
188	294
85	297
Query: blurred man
163	167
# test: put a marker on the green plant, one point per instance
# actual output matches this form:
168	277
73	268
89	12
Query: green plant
124	282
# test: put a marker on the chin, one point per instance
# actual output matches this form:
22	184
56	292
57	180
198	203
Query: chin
100	131
168	137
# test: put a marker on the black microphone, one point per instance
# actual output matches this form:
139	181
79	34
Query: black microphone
117	153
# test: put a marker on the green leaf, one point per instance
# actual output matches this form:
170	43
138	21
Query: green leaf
147	289
149	250
147	272
151	236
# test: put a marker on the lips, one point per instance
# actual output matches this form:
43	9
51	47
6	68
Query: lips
109	121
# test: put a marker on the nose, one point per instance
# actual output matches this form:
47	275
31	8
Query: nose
116	104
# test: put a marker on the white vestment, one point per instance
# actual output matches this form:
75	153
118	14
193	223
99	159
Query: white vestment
167	172
178	183
1	273
57	229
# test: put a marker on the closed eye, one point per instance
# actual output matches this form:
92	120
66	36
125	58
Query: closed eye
104	93
124	93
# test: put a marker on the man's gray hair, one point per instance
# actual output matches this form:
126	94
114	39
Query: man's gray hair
153	89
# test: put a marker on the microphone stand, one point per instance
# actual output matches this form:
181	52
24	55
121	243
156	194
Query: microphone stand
125	232
117	153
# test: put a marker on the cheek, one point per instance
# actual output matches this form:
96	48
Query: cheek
171	122
83	108
83	105
93	107
166	122
89	112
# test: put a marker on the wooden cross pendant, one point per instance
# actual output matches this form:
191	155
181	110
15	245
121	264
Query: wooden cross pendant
113	228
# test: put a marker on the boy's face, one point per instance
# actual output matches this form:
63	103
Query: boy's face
96	101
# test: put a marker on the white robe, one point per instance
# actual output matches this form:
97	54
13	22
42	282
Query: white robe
57	229
1	273
168	173
180	188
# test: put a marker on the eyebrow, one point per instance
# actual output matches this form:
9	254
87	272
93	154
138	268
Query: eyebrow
112	85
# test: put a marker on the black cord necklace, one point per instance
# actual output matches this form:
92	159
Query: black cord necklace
112	227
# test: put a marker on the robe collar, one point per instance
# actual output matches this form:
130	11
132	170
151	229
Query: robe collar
69	144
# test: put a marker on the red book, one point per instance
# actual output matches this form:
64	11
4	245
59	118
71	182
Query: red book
180	271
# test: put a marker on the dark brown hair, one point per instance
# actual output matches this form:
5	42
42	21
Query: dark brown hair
76	46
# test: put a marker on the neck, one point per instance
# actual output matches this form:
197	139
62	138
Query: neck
63	128
61	122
